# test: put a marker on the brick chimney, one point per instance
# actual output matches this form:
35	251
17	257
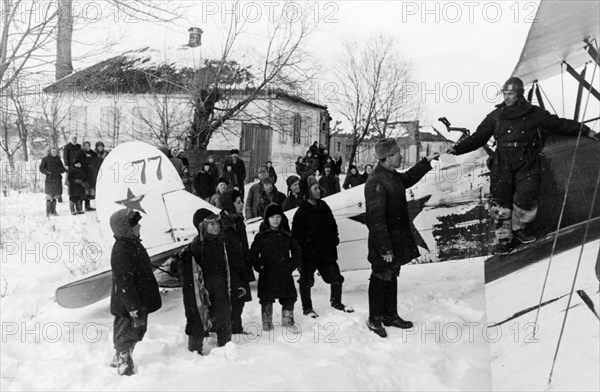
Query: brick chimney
195	37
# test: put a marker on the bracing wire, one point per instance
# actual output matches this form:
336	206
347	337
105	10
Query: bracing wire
562	210
587	226
562	86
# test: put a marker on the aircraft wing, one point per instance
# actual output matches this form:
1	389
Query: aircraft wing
557	34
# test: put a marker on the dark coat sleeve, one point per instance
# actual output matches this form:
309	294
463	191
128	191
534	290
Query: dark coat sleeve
255	253
296	253
561	126
484	132
376	193
415	173
125	289
333	227
299	228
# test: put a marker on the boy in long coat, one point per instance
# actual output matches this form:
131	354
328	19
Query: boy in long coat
275	254
135	291
316	230
205	280
233	232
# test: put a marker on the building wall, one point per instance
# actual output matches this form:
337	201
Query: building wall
118	119
294	126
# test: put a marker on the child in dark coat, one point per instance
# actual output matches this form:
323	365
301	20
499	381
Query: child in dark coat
233	233
134	289
204	273
275	254
77	187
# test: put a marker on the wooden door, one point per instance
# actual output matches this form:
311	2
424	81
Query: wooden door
256	139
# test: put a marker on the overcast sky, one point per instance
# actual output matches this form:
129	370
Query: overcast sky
460	51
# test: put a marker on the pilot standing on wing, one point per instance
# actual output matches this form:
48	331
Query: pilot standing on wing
515	171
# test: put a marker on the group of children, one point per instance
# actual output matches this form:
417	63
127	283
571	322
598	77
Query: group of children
215	270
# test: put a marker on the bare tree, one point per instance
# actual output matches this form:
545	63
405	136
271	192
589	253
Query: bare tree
139	10
282	65
111	122
373	77
10	142
53	117
28	28
166	120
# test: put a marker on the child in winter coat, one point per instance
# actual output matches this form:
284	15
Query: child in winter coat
135	291
233	233
205	283
77	187
275	254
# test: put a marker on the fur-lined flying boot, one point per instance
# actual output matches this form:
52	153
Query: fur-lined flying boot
53	207
267	316
48	207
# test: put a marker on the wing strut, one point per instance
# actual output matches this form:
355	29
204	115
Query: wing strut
579	95
582	81
592	51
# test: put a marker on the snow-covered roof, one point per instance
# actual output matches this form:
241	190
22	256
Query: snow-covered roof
172	71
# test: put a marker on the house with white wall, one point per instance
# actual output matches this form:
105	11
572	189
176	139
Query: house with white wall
113	102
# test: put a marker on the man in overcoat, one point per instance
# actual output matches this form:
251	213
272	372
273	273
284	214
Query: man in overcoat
391	243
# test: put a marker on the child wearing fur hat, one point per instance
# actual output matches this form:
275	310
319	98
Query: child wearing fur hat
316	230
205	283
233	233
221	187
134	289
270	194
294	197
275	254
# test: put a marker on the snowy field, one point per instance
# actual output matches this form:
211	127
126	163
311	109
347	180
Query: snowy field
522	360
46	347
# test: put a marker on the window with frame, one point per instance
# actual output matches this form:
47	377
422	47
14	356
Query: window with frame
297	130
307	129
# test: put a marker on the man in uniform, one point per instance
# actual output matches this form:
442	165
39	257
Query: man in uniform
517	127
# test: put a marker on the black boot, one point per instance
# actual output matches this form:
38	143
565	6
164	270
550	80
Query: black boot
88	207
390	316
79	209
237	308
374	324
376	297
267	316
195	344
336	298
48	207
53	207
307	307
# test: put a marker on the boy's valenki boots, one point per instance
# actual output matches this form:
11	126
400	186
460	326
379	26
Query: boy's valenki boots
267	316
287	316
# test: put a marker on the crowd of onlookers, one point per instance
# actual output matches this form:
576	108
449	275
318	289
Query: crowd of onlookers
81	165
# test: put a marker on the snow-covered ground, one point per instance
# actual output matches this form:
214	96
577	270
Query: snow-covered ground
521	360
46	347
